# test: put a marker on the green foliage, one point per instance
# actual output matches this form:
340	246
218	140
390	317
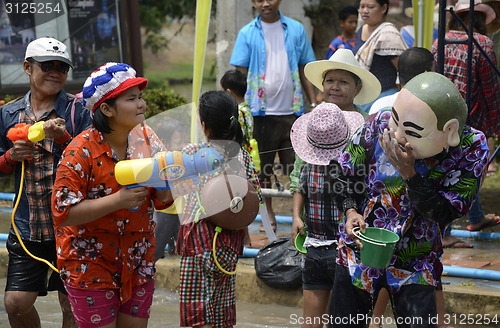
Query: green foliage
7	183
436	174
156	14
466	187
467	141
358	153
414	250
161	99
6	99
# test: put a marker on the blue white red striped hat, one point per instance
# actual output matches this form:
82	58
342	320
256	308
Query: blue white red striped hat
108	82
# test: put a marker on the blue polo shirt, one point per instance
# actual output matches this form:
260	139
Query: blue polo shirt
250	51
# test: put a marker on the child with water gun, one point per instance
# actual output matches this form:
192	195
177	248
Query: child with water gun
105	250
207	295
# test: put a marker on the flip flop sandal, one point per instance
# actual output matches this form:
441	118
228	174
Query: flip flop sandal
495	220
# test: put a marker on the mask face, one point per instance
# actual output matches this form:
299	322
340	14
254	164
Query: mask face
414	122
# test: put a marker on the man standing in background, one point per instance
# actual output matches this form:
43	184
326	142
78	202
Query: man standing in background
272	50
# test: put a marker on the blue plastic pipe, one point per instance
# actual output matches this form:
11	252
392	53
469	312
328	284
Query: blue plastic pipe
7	196
471	273
456	233
475	234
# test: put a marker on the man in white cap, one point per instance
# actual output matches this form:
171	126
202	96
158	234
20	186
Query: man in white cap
47	64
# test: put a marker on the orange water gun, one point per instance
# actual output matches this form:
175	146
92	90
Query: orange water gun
23	131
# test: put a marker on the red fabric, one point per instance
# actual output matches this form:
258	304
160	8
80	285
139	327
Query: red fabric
485	88
117	250
64	139
140	81
7	164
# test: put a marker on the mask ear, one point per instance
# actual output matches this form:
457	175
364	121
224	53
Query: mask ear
451	129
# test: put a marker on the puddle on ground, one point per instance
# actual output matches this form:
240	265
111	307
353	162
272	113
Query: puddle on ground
165	312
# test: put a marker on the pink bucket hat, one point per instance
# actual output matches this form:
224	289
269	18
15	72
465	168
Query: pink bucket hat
464	5
321	135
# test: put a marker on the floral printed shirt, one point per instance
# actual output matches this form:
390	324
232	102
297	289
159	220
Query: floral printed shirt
246	121
250	51
416	209
117	250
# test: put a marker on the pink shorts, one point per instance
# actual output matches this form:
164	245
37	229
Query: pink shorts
99	307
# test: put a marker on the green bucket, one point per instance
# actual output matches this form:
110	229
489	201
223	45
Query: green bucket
299	243
378	246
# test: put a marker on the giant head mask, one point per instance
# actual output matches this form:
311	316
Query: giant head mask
429	114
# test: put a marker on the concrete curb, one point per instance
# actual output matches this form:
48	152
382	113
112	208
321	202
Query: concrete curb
462	302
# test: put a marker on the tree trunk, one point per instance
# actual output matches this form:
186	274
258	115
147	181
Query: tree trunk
324	18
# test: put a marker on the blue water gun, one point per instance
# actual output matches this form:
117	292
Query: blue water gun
166	169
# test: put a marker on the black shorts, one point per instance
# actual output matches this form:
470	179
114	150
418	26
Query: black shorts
272	133
27	274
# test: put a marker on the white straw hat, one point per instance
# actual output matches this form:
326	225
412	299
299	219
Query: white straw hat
344	59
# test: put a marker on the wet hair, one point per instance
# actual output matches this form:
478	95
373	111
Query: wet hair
218	110
99	120
479	22
414	61
347	11
236	81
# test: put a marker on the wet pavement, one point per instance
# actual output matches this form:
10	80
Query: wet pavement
165	310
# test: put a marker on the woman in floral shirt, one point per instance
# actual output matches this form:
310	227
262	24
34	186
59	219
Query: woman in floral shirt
104	232
418	169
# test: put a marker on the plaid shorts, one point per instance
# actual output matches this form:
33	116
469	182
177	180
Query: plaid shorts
207	295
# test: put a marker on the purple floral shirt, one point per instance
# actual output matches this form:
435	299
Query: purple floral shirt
416	209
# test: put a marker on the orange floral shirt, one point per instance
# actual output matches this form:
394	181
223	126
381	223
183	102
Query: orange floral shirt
117	250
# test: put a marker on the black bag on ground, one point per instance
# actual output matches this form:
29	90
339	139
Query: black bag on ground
278	264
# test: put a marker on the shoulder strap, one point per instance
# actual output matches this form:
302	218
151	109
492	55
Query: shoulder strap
77	96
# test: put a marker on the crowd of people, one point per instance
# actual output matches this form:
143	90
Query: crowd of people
386	143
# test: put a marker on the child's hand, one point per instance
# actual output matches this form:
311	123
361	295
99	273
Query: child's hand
133	197
354	219
297	227
54	128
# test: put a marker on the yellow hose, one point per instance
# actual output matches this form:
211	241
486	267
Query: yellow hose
217	230
14	224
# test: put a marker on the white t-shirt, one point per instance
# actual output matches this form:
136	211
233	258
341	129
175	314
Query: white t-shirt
278	80
383	102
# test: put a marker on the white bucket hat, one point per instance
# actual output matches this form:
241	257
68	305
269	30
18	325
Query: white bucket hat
344	59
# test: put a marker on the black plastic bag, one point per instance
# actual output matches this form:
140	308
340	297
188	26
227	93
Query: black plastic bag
278	264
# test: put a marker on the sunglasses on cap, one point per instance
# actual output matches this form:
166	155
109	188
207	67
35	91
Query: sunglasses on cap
49	65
